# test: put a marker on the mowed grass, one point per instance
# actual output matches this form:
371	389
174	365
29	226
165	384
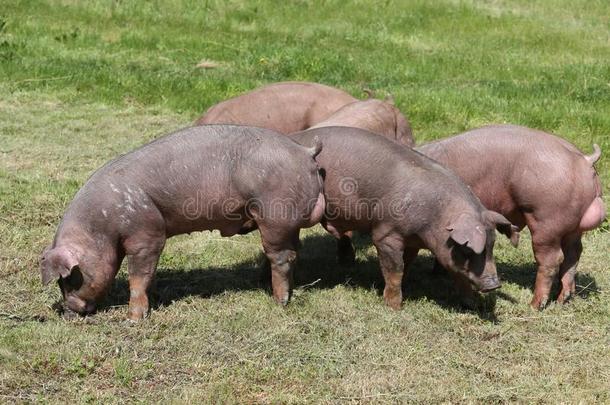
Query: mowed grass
81	82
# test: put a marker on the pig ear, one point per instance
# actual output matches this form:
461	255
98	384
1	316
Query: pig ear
468	232
317	147
594	157
503	226
56	263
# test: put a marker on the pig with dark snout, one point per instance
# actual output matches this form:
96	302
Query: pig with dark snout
407	202
380	117
285	107
225	177
537	180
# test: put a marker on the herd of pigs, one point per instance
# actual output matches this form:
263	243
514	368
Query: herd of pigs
290	155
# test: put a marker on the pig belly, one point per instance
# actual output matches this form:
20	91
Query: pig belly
595	215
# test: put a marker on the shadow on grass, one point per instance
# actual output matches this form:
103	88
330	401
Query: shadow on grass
524	275
317	269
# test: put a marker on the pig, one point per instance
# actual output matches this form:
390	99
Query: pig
537	180
225	177
374	115
284	107
407	202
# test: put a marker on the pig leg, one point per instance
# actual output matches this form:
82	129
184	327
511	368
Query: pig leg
408	256
549	257
345	250
281	250
390	252
572	249
141	266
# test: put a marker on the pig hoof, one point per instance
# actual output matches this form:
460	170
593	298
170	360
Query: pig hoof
564	297
394	304
543	303
70	315
395	307
90	321
129	323
539	303
137	314
282	301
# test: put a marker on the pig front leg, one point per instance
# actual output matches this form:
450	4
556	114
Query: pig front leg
281	250
391	260
141	266
572	249
282	274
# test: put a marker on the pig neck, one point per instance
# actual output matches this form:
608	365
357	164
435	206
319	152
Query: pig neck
435	233
74	235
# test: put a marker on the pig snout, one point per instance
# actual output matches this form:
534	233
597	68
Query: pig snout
594	215
488	283
73	303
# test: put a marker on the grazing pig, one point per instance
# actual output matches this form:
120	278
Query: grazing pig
284	107
225	177
407	202
534	179
373	115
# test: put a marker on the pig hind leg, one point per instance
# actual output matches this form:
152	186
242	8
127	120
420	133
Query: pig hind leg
547	238
345	250
280	247
549	257
572	249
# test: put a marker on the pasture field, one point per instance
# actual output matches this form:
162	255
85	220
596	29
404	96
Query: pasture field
84	81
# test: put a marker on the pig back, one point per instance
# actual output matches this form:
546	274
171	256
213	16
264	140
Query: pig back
284	107
197	174
362	168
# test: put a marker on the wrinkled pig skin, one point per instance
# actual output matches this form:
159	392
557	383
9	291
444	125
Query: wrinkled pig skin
534	179
285	107
373	115
225	177
407	202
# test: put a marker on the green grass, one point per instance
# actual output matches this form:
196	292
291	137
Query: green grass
81	82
